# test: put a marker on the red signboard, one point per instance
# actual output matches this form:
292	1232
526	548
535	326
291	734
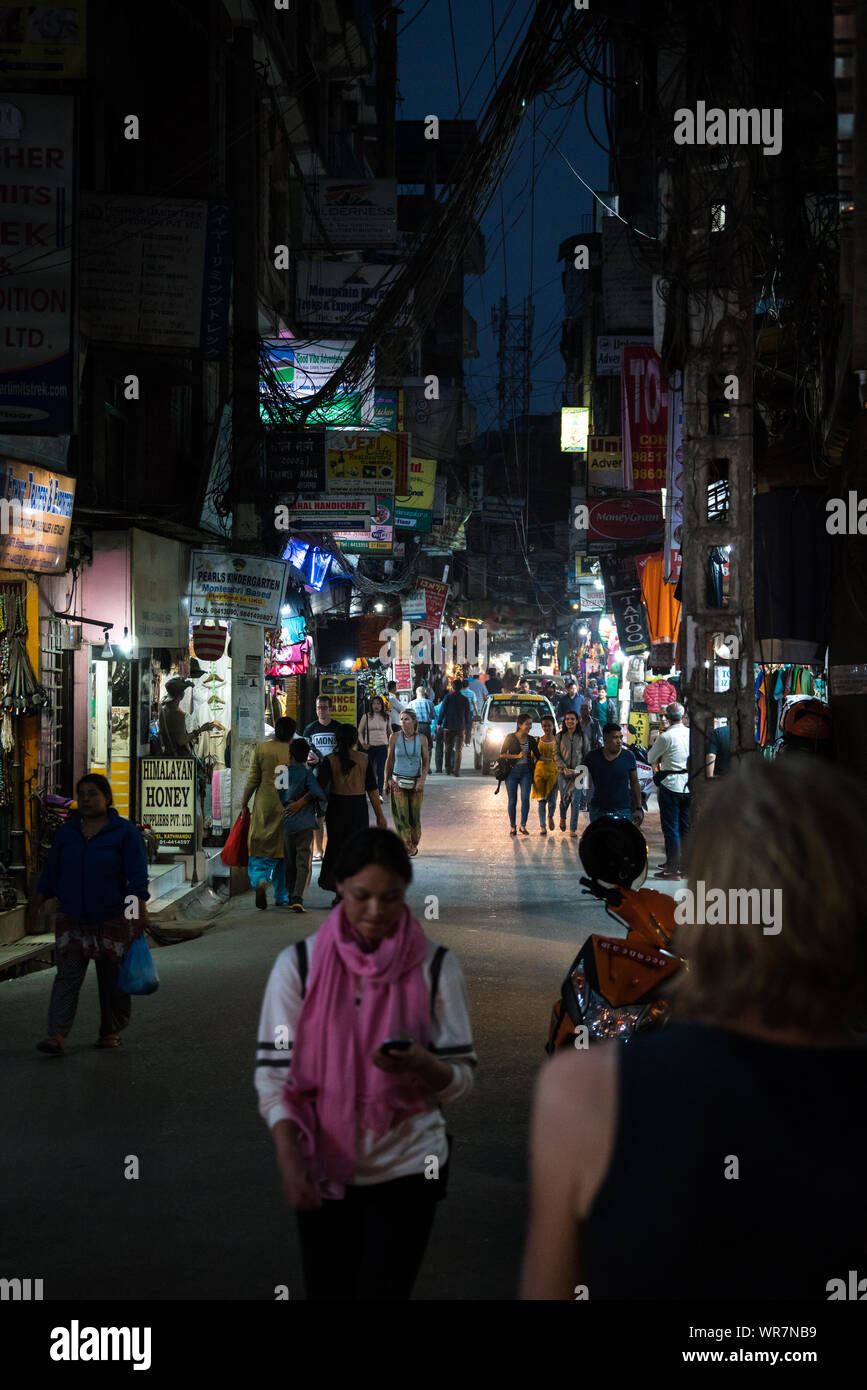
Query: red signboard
403	675
645	420
436	594
624	518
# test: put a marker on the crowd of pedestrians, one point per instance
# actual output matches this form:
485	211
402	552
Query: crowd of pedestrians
380	1038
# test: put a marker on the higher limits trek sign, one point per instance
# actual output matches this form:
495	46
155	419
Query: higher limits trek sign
167	801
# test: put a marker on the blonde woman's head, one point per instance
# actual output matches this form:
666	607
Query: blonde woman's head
774	919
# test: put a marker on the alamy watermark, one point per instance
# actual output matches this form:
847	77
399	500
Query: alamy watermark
714	907
735	126
846	516
435	648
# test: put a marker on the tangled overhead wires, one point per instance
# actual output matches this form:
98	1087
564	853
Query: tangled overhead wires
545	59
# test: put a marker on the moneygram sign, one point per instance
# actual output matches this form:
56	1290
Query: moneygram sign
619	520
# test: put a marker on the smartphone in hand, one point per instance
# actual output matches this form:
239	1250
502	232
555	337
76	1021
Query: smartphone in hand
395	1045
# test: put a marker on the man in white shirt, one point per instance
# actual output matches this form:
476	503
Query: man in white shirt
670	755
396	706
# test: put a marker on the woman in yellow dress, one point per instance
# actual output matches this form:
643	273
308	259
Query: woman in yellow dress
545	776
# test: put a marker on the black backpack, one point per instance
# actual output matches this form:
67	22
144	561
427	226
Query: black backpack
436	966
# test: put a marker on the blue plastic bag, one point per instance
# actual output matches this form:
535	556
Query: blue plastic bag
138	974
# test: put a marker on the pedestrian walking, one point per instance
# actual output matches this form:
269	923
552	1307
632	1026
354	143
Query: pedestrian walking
321	734
265	842
669	757
406	771
379	1040
302	798
494	682
374	731
479	689
614	775
396	706
590	727
423	710
762	1018
591	730
607	711
570	748
348	778
456	717
97	869
570	700
519	752
438	737
718	754
545	775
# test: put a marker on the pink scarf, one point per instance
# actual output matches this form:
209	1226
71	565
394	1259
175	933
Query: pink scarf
334	1088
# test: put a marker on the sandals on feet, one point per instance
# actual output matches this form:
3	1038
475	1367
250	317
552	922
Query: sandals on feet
53	1045
110	1040
522	830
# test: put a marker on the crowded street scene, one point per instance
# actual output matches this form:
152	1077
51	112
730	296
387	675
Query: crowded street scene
433	668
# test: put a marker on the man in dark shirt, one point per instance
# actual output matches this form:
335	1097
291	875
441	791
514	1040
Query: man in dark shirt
569	701
321	734
494	684
613	769
718	756
456	720
605	709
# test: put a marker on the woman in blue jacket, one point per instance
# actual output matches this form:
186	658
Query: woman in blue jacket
97	868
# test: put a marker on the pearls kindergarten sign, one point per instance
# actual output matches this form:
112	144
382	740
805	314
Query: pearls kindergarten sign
243	587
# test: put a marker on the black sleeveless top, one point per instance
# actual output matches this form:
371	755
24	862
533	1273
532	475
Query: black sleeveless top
668	1223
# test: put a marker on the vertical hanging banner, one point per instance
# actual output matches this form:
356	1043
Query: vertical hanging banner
674	482
645	420
436	593
36	134
624	598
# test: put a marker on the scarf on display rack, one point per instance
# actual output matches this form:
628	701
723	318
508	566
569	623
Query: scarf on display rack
334	1088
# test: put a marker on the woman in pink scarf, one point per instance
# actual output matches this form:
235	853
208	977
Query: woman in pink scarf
359	1134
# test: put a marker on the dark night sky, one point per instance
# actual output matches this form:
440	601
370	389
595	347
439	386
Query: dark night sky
427	85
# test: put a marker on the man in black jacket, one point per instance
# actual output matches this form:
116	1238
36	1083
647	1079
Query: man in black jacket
456	718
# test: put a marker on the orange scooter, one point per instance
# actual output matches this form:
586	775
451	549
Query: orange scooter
615	985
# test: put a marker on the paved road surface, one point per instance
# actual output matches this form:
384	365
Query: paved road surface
205	1219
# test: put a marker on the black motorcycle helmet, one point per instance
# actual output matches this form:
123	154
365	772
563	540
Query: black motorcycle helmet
614	853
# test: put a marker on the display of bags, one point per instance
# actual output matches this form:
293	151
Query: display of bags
209	640
138	974
235	852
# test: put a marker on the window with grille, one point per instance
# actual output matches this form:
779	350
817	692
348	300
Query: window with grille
52	667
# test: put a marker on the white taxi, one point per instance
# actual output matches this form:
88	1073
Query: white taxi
499	717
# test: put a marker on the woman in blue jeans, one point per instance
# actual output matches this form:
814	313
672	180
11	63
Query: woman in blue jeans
519	753
569	750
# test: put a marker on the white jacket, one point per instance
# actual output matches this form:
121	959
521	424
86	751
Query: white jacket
402	1150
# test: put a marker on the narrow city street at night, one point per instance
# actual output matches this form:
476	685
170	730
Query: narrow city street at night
433	677
206	1218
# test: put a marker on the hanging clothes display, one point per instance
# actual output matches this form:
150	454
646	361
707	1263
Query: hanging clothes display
663	608
658	694
717	558
774	686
